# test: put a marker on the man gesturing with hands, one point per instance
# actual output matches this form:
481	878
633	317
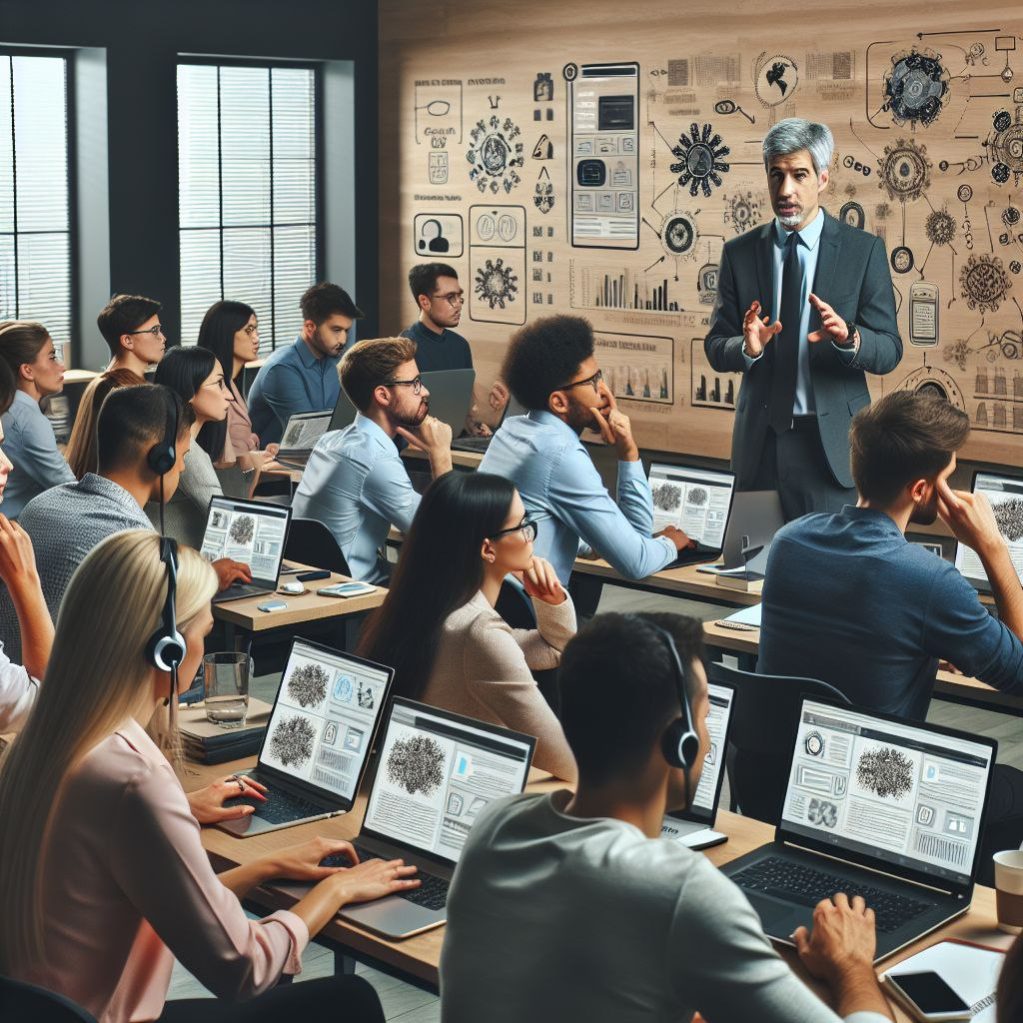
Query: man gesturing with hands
804	310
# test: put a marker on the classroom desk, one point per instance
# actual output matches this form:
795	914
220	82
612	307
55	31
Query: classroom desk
416	959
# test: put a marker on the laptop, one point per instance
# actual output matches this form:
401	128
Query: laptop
755	517
875	806
450	398
318	739
697	501
480	444
693	827
300	436
1006	496
250	531
436	771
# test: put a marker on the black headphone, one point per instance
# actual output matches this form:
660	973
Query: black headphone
162	456
680	744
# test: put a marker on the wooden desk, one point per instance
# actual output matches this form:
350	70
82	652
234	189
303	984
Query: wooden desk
418	958
686	581
459	459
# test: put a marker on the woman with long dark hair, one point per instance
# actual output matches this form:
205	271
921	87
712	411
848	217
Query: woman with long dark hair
438	626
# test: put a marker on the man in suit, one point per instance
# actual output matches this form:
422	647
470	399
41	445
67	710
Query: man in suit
805	308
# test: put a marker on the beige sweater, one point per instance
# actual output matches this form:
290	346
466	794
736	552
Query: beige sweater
483	670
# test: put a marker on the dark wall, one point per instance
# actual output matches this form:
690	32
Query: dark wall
142	39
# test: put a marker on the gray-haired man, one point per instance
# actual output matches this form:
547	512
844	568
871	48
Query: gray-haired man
805	308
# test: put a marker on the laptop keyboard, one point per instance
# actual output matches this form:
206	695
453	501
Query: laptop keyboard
471	444
281	806
242	590
806	886
432	892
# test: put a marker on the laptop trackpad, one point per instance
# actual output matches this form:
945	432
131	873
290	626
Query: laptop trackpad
779	918
393	916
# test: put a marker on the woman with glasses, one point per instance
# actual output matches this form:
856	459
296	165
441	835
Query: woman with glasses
439	628
30	444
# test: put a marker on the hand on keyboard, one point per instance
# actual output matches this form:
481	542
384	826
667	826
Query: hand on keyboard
843	938
374	879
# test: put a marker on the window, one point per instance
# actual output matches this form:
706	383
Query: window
247	203
35	221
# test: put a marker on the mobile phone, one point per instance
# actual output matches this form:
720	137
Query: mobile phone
923	314
352	589
308	577
272	605
928	997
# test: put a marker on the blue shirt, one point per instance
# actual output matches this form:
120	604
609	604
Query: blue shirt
355	483
563	492
292	380
847	599
30	444
446	350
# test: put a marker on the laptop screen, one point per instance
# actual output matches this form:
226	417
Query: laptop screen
697	501
906	794
324	718
303	431
250	532
436	772
1006	496
705	799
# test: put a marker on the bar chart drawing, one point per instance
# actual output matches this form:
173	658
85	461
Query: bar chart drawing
602	287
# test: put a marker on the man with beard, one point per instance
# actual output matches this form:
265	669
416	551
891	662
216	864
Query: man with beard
551	370
355	483
804	311
303	377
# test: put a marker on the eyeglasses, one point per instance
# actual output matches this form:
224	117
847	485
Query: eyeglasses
452	297
416	383
250	329
156	331
526	527
58	354
594	381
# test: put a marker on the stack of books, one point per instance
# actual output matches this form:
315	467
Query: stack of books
208	743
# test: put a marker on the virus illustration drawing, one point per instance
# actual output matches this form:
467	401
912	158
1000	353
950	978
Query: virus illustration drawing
496	283
495	154
701	156
742	211
243	529
697	497
887	772
1009	516
916	88
1004	146
667	497
307	685
292	741
416	764
984	283
904	171
940	227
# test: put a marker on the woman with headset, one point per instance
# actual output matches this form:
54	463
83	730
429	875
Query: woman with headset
110	882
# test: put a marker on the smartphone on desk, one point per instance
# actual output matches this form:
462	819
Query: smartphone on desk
349	589
928	997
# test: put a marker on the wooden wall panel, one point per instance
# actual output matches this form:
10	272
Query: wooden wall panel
483	132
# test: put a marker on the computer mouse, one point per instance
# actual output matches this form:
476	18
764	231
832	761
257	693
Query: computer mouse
293	588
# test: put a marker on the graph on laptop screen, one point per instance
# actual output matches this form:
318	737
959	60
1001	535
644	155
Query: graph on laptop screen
436	773
322	724
247	532
1006	496
695	500
904	794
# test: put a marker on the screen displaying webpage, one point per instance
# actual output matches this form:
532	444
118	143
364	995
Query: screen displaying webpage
435	776
694	500
900	793
303	431
253	534
322	725
714	763
1006	496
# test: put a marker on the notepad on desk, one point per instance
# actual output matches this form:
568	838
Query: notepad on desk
746	618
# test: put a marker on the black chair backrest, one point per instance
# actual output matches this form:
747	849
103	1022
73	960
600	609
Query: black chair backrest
19	1000
310	542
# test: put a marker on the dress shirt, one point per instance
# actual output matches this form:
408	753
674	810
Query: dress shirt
563	492
446	350
127	887
30	444
355	483
292	380
483	670
65	524
239	425
18	692
553	917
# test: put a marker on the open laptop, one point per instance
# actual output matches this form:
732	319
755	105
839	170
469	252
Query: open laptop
875	806
1006	496
318	739
450	399
480	444
250	531
300	436
697	501
436	771
693	827
755	517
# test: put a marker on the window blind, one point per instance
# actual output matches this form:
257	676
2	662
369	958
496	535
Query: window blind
247	204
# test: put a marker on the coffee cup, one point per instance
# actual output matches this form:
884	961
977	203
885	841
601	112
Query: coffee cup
1009	890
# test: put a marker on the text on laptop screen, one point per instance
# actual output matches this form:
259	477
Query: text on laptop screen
898	792
694	500
247	532
1006	496
705	797
436	774
303	431
322	724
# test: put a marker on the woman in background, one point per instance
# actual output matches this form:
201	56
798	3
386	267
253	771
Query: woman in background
81	448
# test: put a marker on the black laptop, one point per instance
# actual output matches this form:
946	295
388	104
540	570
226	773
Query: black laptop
480	444
875	806
697	501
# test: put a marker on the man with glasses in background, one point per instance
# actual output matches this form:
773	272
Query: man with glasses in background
551	370
130	325
355	482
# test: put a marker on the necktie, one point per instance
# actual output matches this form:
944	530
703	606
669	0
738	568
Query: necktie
786	344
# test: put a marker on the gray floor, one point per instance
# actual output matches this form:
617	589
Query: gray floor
411	1005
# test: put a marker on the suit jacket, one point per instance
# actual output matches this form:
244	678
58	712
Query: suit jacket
854	279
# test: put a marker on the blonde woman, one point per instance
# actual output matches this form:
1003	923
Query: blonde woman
105	879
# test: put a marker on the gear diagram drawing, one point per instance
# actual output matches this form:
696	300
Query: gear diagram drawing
701	156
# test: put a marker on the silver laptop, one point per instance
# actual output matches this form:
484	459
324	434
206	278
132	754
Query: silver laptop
300	436
875	806
755	517
253	532
436	771
697	501
318	739
1006	496
480	444
694	826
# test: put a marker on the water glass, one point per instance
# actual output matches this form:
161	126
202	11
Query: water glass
227	687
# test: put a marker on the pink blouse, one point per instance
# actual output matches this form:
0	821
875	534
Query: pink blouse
239	425
128	887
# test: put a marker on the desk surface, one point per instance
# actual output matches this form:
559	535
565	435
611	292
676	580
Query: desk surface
418	957
686	581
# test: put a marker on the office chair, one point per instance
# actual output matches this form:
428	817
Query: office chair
310	542
764	725
19	1000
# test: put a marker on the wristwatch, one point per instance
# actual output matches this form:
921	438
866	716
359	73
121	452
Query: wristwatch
850	339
